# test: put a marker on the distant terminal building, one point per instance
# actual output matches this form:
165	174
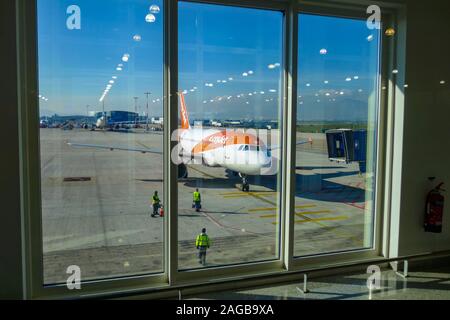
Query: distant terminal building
56	121
111	118
262	124
157	120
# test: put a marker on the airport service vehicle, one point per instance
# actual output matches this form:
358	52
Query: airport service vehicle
240	151
157	120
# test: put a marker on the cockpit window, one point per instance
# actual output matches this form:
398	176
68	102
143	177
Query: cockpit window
249	148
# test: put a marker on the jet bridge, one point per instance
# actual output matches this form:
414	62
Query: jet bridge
347	145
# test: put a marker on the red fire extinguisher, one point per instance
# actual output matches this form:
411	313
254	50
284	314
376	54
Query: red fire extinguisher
434	210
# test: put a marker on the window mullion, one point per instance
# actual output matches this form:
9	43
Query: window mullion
171	124
289	131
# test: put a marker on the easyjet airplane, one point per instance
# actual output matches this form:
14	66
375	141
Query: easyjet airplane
240	151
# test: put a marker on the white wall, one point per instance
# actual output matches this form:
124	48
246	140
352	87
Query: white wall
426	139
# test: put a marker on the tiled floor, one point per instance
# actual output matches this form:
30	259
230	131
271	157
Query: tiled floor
424	283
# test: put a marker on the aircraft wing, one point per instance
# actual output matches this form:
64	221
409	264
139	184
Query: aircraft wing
112	148
298	143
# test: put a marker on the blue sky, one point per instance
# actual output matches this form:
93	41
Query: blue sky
230	61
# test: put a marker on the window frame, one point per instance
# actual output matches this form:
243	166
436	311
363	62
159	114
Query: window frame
373	251
383	137
172	278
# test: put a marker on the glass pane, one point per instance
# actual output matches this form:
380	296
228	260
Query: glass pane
100	104
229	81
337	111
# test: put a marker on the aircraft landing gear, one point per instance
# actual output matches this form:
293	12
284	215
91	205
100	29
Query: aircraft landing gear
245	184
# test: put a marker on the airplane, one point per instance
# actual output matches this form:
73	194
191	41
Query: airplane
240	151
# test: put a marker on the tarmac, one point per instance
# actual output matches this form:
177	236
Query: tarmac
96	207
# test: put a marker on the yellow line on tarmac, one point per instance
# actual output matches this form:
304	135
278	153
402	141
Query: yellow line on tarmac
312	212
201	171
319	219
272	208
248	194
268	216
261	209
306	206
242	192
300	214
331	229
322	219
259	197
238	196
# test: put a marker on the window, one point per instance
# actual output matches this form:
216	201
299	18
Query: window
105	68
230	67
337	114
100	103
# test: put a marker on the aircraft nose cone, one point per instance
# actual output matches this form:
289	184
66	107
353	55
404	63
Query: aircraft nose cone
263	159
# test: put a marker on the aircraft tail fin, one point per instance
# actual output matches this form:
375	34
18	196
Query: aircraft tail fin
183	113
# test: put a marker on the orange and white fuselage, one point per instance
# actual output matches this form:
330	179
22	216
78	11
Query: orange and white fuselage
242	151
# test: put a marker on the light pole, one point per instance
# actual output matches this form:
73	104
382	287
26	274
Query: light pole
147	94
103	113
135	110
87	114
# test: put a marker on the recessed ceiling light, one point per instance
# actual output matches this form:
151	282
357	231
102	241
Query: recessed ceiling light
390	32
150	18
154	9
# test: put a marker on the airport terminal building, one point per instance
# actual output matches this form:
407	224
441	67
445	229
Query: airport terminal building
118	117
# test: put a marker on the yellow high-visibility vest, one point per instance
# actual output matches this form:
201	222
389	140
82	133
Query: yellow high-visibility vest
196	196
155	200
202	240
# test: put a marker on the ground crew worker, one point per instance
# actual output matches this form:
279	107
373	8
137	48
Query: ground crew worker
155	203
202	243
197	200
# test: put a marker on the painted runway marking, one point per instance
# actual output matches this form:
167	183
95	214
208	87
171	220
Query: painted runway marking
142	145
312	212
317	220
274	208
268	216
353	204
322	219
259	196
247	193
200	171
299	214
